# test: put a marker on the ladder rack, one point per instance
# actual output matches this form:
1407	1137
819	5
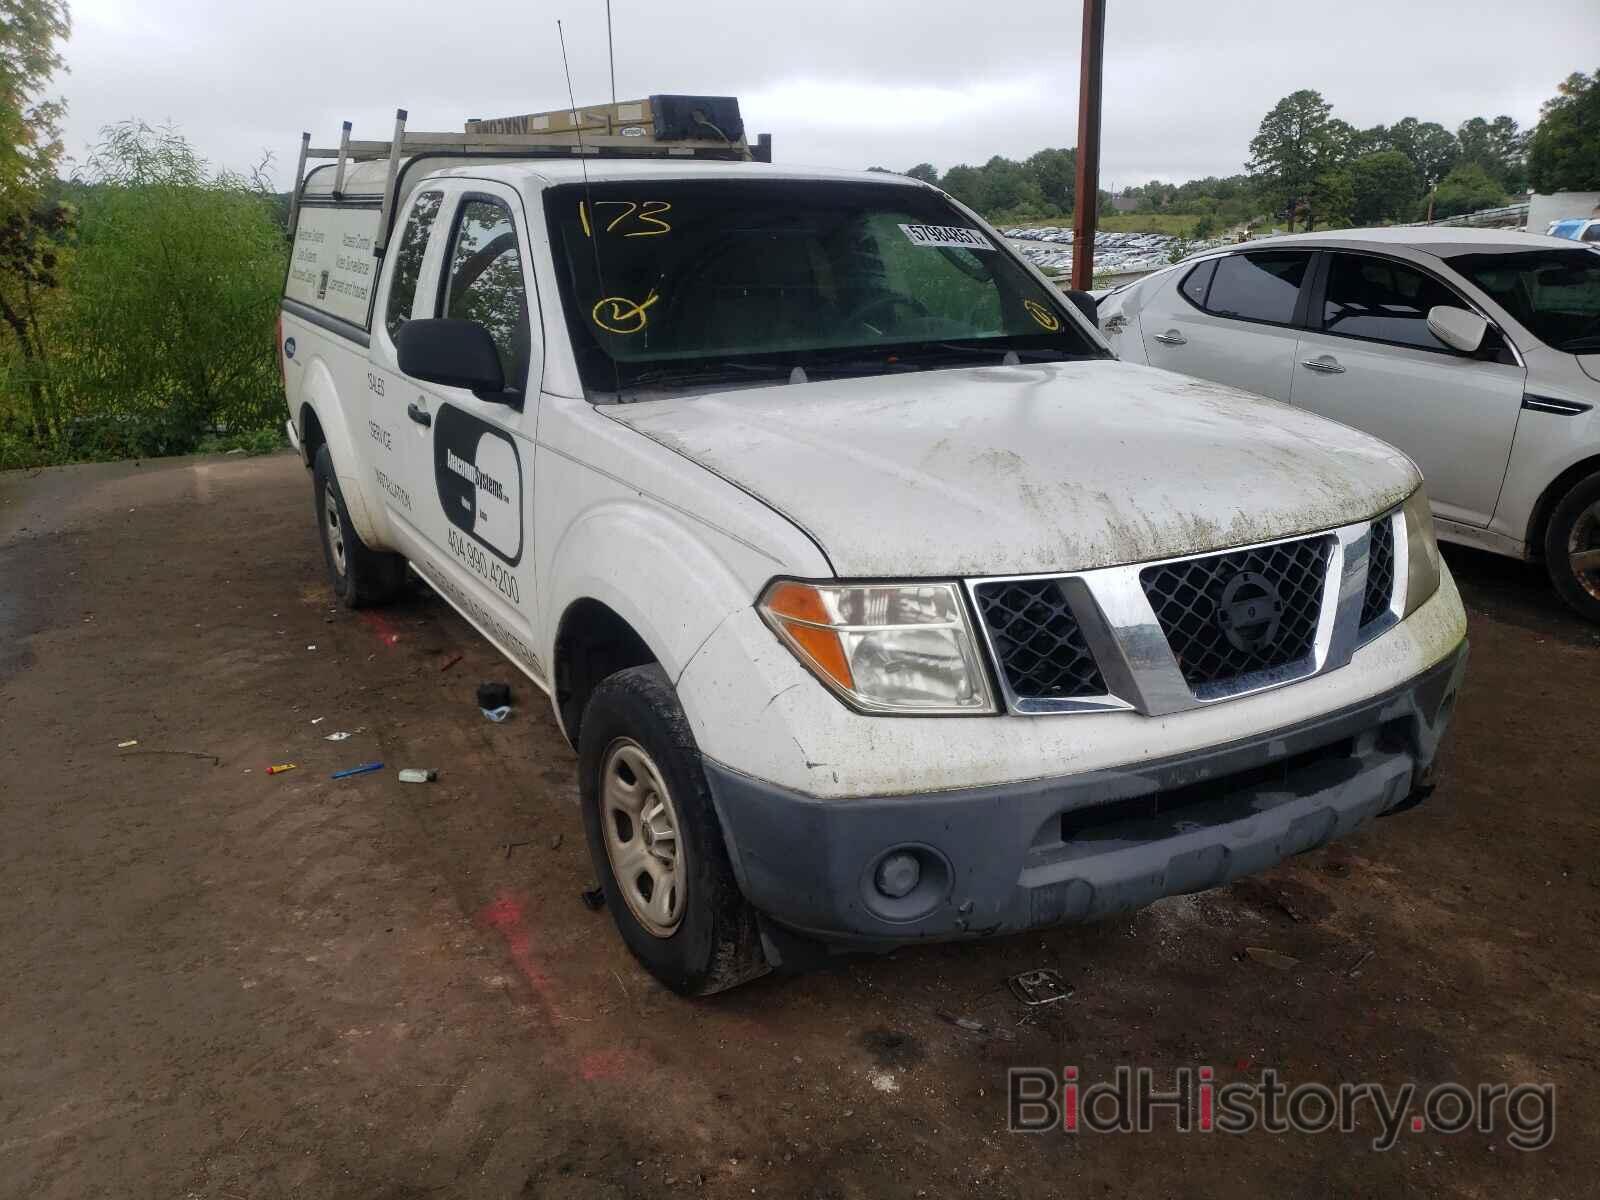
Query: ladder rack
660	127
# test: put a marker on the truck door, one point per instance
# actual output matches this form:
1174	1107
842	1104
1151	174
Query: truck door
410	281
469	458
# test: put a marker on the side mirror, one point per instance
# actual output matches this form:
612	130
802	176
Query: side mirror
1457	328
452	352
1087	305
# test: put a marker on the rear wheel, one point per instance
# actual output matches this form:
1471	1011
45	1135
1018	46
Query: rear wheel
655	839
361	577
1572	547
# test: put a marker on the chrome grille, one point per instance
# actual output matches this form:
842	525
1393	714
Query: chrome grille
1242	613
1380	571
1040	647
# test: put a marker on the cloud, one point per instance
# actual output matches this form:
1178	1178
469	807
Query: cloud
852	84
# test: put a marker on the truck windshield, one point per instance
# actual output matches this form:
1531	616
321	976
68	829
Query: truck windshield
679	284
1554	293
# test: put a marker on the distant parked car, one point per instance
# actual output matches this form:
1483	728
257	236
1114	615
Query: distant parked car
1477	352
1576	229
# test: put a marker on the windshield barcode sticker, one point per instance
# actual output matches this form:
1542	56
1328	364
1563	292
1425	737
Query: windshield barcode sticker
954	236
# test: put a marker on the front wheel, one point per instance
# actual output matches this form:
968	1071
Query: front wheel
1572	547
655	839
361	577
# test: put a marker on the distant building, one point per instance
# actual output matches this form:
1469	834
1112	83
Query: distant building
1124	203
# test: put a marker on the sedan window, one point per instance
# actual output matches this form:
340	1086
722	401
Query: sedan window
1197	281
1554	293
1383	300
1258	287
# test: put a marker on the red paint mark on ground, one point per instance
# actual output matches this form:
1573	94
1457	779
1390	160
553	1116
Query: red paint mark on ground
387	633
604	1064
507	916
504	915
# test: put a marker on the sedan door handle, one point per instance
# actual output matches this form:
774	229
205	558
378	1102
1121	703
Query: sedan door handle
1171	338
419	414
1327	365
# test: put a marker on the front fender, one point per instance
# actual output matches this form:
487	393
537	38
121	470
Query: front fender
655	570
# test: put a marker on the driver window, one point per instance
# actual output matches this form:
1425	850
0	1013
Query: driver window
484	284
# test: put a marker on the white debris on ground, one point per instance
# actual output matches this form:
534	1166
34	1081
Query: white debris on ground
884	1081
1050	249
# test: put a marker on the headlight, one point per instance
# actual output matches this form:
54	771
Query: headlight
882	647
1422	553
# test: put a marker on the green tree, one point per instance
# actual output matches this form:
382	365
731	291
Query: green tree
1332	199
1056	173
1498	147
926	172
33	225
1467	189
1564	150
167	333
1385	187
1297	144
1005	182
1431	147
968	185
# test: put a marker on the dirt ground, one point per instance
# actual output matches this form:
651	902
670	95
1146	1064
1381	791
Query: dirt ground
216	983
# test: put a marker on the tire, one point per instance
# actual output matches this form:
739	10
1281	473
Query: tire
696	933
1575	528
361	577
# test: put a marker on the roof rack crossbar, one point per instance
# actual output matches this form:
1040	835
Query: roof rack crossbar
660	127
344	157
299	175
396	150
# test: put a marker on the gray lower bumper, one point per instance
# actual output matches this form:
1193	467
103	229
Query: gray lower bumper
1017	856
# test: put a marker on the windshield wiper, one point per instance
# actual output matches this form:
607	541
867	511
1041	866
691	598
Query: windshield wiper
703	372
1580	344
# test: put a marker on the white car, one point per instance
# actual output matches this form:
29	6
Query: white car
1477	352
878	600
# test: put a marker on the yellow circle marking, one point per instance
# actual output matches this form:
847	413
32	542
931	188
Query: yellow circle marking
1042	315
618	314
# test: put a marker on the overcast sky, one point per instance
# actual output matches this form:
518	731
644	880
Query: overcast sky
847	83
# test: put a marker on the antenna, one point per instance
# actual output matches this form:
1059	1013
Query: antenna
588	196
611	53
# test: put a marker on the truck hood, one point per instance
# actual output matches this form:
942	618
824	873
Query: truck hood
1017	470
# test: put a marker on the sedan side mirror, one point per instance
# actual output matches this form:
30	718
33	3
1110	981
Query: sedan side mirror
1457	328
1087	305
453	353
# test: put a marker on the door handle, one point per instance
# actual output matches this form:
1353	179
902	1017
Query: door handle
419	414
1171	338
1326	365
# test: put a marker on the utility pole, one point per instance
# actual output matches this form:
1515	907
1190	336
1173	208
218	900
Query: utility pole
1087	198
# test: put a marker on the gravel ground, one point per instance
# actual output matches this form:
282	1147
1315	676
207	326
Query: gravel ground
224	984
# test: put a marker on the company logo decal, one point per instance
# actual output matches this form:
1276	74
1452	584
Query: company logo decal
478	474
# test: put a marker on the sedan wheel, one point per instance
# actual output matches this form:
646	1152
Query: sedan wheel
1583	550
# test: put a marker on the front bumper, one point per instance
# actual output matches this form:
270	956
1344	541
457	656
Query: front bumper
1009	857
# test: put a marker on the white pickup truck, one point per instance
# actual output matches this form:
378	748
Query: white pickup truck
878	600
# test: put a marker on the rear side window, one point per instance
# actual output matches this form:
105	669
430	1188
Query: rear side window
1592	234
408	259
1196	282
1258	287
1383	300
485	283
